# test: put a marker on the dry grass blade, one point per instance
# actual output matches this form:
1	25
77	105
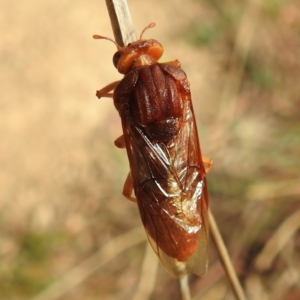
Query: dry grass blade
93	263
121	21
184	288
278	241
225	259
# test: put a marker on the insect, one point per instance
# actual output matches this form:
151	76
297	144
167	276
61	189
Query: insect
167	171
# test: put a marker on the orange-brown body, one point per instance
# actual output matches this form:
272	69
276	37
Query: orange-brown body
167	172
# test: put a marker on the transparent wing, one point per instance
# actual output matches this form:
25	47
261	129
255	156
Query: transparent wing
170	186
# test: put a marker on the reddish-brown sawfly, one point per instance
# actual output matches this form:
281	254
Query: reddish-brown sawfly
167	170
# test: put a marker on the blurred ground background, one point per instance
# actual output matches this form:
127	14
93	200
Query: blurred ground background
61	176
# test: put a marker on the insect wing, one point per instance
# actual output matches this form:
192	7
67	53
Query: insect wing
170	186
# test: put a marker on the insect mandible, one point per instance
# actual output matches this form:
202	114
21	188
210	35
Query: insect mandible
167	170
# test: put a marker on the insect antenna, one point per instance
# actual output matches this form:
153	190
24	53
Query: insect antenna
100	37
149	26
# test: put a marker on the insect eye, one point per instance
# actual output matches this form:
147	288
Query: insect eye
116	58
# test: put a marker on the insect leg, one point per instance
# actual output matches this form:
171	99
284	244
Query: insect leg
174	63
105	92
207	162
120	142
128	188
